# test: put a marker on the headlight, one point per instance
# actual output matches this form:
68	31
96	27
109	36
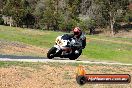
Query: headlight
58	42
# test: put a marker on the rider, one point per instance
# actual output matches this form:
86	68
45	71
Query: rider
79	37
78	34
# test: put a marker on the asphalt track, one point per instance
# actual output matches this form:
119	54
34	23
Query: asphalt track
60	60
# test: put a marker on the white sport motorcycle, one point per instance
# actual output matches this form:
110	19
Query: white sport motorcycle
65	47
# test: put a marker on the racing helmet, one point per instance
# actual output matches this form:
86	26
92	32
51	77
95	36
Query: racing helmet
77	31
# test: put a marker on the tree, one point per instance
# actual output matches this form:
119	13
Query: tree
88	24
91	15
17	9
104	12
69	13
111	9
58	14
1	5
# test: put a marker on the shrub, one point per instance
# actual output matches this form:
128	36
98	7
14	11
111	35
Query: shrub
1	20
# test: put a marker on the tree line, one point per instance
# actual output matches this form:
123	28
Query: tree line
63	15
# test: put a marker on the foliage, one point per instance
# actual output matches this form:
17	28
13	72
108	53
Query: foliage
65	14
1	20
128	17
17	9
86	24
57	16
111	9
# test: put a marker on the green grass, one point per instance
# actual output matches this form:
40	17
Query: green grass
7	64
100	48
123	39
37	65
33	37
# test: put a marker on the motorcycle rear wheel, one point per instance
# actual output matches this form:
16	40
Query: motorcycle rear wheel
51	53
75	56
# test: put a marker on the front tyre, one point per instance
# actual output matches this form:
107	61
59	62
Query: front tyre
51	52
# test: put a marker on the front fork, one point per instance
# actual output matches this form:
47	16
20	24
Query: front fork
58	51
58	48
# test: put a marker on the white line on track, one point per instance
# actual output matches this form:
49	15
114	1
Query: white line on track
63	61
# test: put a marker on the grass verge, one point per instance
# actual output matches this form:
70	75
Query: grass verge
98	47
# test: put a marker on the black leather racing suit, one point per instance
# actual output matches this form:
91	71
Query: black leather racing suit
81	39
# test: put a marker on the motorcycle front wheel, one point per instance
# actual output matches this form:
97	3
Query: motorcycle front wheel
51	52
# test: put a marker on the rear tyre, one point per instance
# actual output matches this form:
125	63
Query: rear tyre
51	53
75	56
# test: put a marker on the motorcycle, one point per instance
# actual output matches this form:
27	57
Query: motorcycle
65	47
